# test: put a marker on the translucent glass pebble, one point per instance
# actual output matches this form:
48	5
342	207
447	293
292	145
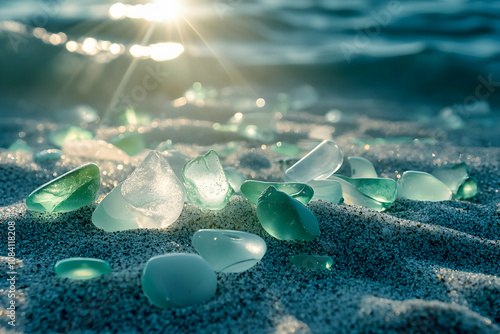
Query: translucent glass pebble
287	149
300	191
327	190
81	268
206	183
361	168
457	178
285	218
178	280
467	190
353	196
229	251
47	155
380	189
324	160
19	146
421	186
131	143
67	134
312	262
235	178
96	149
67	192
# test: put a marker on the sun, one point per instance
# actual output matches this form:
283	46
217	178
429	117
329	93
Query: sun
158	11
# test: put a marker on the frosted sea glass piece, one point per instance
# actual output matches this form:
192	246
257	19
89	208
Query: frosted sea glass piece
327	190
131	143
300	191
235	178
229	251
312	262
380	189
457	178
421	186
287	149
47	155
324	160
68	133
19	146
178	280
361	168
353	196
467	190
285	218
95	149
68	192
81	268
206	183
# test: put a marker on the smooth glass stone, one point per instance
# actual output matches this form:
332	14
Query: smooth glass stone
286	149
452	176
178	280
312	262
67	192
380	189
285	218
48	155
327	190
361	168
77	115
95	149
421	186
154	191
67	134
235	178
131	143
81	268
19	146
353	196
229	251
206	183
324	160
252	190
467	190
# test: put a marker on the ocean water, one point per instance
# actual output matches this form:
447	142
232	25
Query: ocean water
413	52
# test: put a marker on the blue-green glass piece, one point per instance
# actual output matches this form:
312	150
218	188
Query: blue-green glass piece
286	149
361	168
48	155
229	251
131	143
206	183
312	262
178	280
421	186
300	191
235	178
81	268
19	146
285	218
327	190
467	190
452	176
68	133
353	196
67	192
380	189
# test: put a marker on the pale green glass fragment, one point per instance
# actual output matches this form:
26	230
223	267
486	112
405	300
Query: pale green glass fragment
457	179
19	146
421	186
361	168
380	189
285	218
67	134
206	183
324	160
178	280
467	190
312	262
131	143
286	149
353	196
67	192
235	178
47	155
302	192
81	268
229	251
327	190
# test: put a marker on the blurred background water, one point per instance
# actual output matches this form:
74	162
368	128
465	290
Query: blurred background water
60	53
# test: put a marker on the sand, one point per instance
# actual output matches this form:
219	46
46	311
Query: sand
419	267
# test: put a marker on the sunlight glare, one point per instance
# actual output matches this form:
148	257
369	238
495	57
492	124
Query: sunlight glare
159	10
166	51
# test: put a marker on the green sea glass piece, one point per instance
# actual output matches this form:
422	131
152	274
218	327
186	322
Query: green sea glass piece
206	183
81	268
421	186
67	192
131	143
300	191
380	189
229	251
361	168
48	155
327	190
353	196
457	179
19	146
178	280
235	178
467	190
68	133
287	149
312	262
285	218
324	160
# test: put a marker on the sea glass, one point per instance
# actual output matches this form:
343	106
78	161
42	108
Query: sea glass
95	149
131	143
327	190
312	262
229	251
467	190
19	146
361	168
324	160
457	178
178	280
81	268
285	218
235	178
300	191
353	196
380	189
67	192
68	133
47	155
421	186
286	149
206	183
